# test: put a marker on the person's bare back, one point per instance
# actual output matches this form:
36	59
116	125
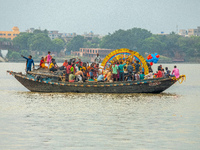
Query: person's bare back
79	73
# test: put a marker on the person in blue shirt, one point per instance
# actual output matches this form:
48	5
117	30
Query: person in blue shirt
100	78
167	74
137	66
29	62
121	71
130	68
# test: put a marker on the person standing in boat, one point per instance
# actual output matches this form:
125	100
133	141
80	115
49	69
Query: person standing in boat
68	71
175	72
29	62
48	58
130	68
114	71
121	71
97	59
137	66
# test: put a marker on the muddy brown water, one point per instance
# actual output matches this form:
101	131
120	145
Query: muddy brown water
170	120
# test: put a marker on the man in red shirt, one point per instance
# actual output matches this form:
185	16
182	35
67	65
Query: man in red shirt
41	61
159	74
68	71
79	61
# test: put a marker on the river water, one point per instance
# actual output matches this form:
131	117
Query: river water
170	120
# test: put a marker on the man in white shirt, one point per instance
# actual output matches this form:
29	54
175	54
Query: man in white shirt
97	59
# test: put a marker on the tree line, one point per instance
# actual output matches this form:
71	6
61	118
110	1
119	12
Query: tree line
141	40
37	41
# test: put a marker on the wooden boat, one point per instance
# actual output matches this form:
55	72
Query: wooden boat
44	81
156	85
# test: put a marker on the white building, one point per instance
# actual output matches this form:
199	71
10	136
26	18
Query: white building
54	34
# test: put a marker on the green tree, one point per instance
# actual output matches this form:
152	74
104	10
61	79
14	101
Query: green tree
95	42
40	42
125	39
13	55
58	45
76	43
36	31
21	40
25	52
190	46
5	40
152	45
172	46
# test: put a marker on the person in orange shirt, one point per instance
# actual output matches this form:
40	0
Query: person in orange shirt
65	64
91	69
109	76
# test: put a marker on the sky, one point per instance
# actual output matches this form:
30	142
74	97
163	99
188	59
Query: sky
99	16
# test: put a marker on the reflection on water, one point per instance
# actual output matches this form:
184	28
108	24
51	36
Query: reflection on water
169	120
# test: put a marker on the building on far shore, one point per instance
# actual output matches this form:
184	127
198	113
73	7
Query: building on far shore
190	32
10	34
91	52
183	32
89	36
54	34
68	36
162	33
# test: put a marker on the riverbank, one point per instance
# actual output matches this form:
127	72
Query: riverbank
2	59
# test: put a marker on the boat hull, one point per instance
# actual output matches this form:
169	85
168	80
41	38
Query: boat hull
142	86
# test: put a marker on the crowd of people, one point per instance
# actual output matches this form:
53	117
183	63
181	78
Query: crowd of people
78	71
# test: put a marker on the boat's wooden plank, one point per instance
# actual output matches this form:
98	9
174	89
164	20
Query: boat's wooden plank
48	75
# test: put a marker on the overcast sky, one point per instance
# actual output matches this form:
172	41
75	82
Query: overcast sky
99	16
